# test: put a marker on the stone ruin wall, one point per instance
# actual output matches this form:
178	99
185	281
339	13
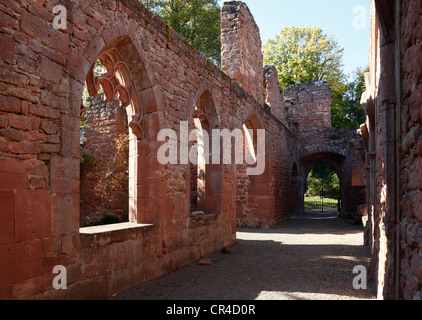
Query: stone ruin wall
308	114
273	93
241	55
43	71
411	160
42	75
392	135
308	105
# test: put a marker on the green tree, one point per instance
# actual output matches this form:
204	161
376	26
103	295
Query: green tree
323	179
305	54
198	21
347	111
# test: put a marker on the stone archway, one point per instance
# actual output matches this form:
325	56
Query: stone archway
205	181
138	96
307	163
254	202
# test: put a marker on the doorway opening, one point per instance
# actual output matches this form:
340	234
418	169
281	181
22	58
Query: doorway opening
323	190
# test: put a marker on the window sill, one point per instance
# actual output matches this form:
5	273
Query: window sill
198	219
111	228
99	236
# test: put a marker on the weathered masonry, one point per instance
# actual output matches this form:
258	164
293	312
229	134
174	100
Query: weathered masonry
393	141
160	81
176	214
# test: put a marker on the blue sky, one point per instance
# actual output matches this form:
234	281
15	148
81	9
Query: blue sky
335	17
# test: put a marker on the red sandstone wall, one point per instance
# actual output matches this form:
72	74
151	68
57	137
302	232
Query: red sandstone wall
241	56
273	95
411	163
309	105
392	136
43	71
42	75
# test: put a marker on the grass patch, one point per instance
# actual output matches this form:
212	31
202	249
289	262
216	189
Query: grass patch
316	202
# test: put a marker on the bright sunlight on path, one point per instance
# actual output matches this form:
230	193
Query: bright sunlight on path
310	257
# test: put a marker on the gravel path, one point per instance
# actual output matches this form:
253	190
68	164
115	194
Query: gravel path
307	258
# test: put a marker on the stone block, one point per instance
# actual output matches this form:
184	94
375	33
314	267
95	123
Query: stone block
9	104
4	145
33	136
20	261
7	218
53	100
32	287
40	29
20	122
64	167
50	70
50	127
7	48
97	261
152	125
13	174
33	215
61	260
25	147
78	66
15	79
94	48
12	134
50	148
418	206
69	244
45	112
415	60
148	100
65	214
258	189
52	246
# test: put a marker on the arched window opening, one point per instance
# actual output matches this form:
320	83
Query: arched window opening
105	141
205	176
254	205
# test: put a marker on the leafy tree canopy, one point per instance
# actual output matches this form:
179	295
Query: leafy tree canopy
198	21
305	54
323	180
346	111
308	54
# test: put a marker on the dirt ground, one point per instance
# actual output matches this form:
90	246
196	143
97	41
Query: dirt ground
310	257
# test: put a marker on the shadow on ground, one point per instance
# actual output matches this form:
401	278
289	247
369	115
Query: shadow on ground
310	257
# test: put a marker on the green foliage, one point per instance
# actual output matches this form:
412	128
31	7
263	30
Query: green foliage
198	21
84	159
323	180
346	109
305	54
